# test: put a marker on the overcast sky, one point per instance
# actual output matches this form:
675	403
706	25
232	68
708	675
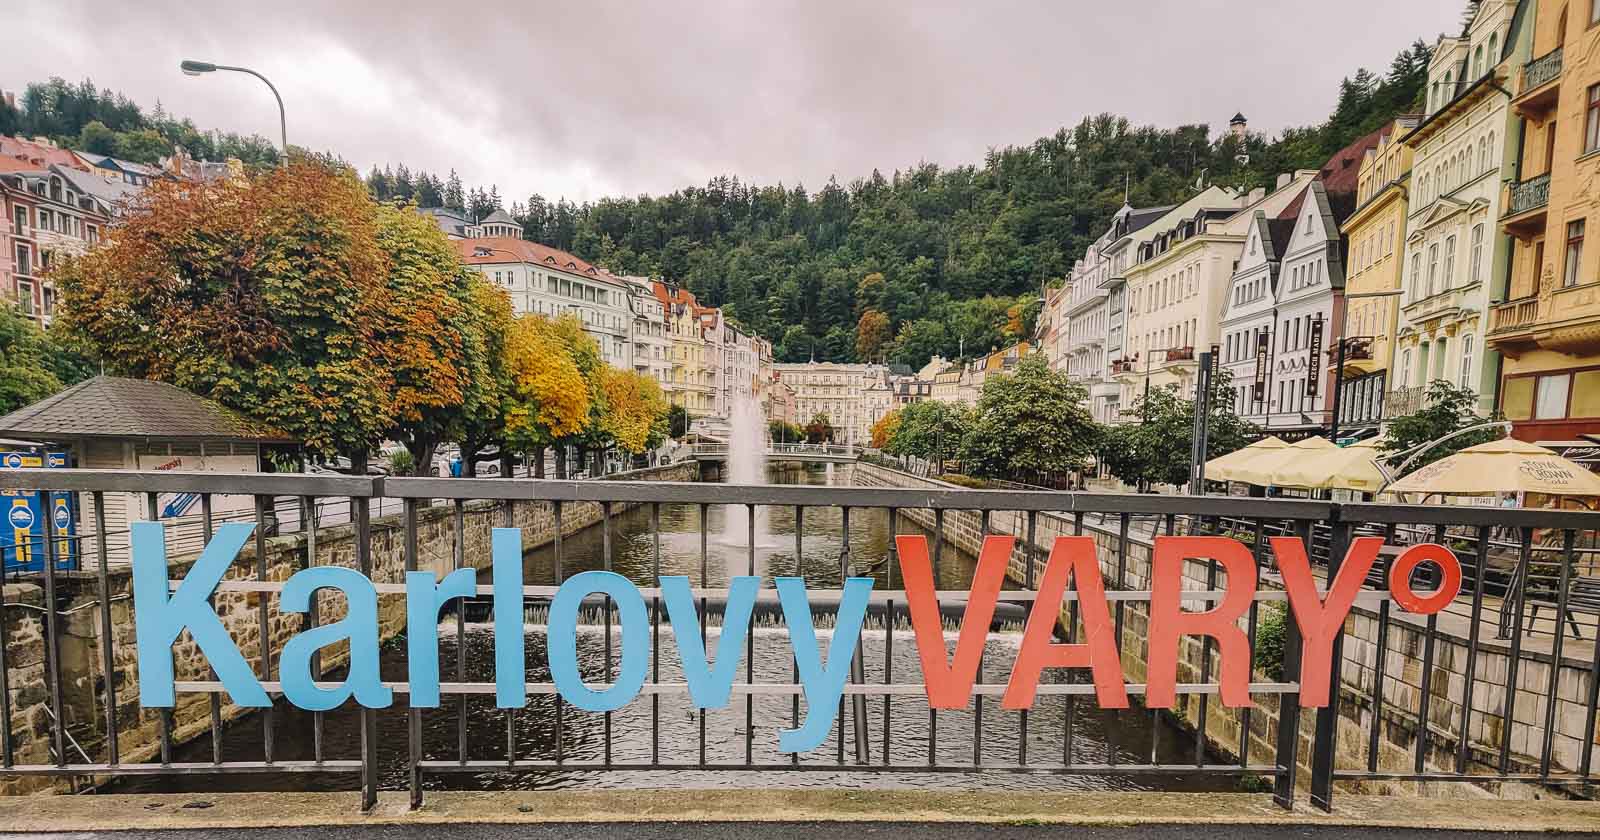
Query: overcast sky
599	97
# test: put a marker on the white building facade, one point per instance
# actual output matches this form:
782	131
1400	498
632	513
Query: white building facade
544	281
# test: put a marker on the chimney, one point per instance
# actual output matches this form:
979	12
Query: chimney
1255	195
9	97
1284	178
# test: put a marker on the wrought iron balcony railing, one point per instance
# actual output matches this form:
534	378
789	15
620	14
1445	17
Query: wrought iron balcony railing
1531	194
1541	71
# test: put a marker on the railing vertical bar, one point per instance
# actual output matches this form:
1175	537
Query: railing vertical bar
1591	705
1244	713
1380	674
705	573
369	718
555	698
153	514
458	516
1425	691
7	751
308	511
1028	549
1287	747
509	520
858	665
1324	749
933	714
1205	674
844	573
58	726
1568	541
977	716
108	659
1171	527
889	623
655	632
1508	706
413	714
794	667
750	646
1124	524
605	553
1069	703
1474	632
264	621
213	700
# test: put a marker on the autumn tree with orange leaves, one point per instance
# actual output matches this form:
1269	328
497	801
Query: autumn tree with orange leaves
293	297
636	411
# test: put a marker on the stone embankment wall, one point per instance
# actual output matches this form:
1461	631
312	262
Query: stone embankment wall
79	597
1403	672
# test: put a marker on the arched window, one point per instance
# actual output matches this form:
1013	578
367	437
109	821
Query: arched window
1466	361
1494	50
1416	276
1462	165
1477	62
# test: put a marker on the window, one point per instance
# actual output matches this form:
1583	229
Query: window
1449	261
1466	361
1475	266
1433	267
19	215
25	296
1477	61
24	261
1550	397
1591	132
1574	253
1416	276
1494	50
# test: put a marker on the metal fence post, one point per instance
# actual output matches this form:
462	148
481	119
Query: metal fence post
1288	736
1327	729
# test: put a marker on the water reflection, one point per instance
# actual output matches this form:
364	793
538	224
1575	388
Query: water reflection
664	730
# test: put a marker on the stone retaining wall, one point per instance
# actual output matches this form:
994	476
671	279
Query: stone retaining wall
138	728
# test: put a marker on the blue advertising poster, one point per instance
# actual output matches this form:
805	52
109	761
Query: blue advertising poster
31	518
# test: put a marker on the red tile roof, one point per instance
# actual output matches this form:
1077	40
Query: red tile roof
38	153
1342	173
510	249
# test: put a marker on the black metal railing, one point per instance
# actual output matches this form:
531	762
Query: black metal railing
1513	562
1529	195
1541	71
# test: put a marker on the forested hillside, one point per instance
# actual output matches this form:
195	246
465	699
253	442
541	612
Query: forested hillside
903	265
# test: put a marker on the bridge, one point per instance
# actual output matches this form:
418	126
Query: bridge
810	453
1452	695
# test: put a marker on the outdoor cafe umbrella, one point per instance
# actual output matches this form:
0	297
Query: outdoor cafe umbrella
1501	466
1261	469
1341	468
1224	467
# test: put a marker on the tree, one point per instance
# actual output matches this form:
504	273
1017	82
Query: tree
96	138
25	374
930	430
779	431
1155	445
143	146
547	399
883	430
268	294
677	422
872	333
1447	409
1030	426
635	410
438	333
820	429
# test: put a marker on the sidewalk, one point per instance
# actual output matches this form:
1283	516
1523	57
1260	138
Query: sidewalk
733	814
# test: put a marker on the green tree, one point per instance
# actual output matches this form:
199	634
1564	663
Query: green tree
1154	445
1030	426
145	145
96	138
930	430
1447	409
25	371
677	421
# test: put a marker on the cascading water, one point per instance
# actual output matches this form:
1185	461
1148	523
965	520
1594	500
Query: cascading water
747	464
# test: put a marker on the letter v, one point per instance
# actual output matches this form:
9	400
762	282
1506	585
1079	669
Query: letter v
709	687
949	682
159	620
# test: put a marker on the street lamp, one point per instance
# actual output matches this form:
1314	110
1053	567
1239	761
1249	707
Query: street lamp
196	68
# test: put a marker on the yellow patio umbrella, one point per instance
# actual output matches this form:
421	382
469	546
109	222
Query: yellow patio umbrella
1341	468
1502	466
1223	467
1260	470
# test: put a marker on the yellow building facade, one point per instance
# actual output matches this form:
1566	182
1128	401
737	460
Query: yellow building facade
1548	326
1376	234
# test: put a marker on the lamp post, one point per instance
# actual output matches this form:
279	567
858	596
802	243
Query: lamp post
196	68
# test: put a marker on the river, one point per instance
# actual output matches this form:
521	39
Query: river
1097	736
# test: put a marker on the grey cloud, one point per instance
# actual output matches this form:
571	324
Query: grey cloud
600	98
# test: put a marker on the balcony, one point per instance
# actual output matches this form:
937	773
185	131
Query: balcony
1511	325
1180	354
1525	206
1122	366
1540	86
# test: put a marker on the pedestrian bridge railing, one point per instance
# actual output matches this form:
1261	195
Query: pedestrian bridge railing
1183	605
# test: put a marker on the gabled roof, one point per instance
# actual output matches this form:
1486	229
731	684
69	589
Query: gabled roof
114	407
499	217
112	192
1341	175
490	250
